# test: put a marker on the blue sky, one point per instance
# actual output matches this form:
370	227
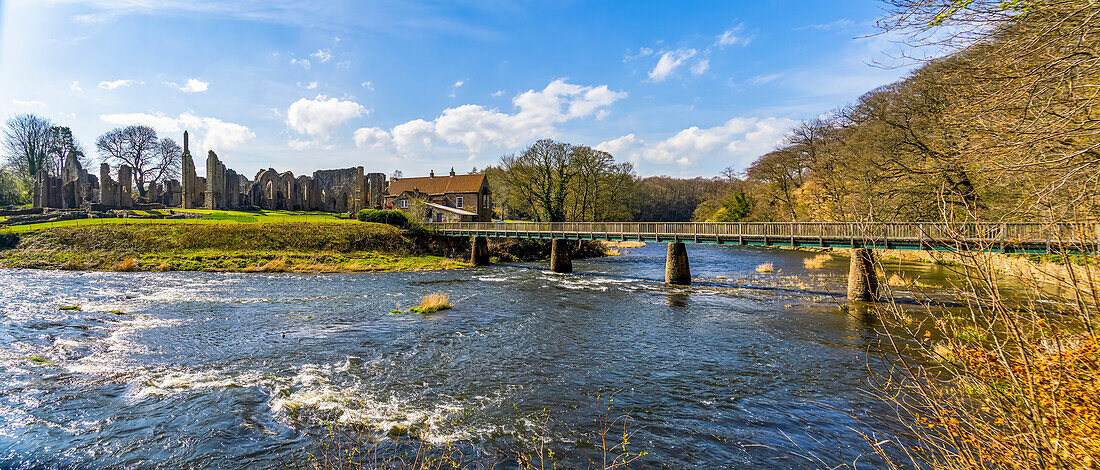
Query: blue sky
678	88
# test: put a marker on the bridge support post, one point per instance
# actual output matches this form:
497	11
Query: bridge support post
559	256
479	251
862	281
677	271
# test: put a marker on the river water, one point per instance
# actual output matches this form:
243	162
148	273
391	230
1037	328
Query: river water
221	370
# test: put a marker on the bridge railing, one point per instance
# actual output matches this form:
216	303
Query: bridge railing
1087	233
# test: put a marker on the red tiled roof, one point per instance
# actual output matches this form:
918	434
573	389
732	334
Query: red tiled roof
437	185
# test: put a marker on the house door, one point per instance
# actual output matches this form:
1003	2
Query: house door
438	217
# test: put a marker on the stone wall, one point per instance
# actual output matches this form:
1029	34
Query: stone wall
215	182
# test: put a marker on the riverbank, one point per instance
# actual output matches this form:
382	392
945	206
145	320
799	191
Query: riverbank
269	247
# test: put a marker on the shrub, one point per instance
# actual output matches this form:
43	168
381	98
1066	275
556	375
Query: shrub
766	268
389	217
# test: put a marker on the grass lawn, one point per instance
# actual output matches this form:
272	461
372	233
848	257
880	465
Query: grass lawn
212	217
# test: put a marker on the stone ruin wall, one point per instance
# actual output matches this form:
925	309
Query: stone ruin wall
341	190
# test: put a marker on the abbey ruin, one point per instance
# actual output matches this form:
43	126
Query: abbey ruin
343	190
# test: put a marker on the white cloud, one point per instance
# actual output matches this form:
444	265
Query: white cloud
841	24
194	85
75	86
320	117
642	52
322	55
303	62
737	141
669	62
116	84
497	94
309	86
762	79
368	85
478	128
207	133
301	144
625	145
700	67
28	103
415	134
455	87
733	37
372	137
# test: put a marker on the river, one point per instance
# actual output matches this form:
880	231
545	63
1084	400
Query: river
219	370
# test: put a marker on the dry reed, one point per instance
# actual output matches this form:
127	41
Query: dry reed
817	262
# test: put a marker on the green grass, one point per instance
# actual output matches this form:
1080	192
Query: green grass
70	307
212	217
241	219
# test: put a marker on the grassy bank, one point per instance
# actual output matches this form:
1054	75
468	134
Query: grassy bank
208	217
225	246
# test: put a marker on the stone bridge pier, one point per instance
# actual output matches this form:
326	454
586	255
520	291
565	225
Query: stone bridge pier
479	251
862	280
677	271
559	256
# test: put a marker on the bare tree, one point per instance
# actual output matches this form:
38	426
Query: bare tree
153	160
541	174
26	143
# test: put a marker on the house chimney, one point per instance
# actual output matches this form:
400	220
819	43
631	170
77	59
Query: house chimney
431	174
452	171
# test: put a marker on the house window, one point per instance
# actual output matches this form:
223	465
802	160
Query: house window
458	202
485	201
404	203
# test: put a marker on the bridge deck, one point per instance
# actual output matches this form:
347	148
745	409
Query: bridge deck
1005	237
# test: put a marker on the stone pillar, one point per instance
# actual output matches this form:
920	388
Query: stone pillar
479	251
108	188
188	185
677	270
40	194
125	187
215	181
862	281
559	256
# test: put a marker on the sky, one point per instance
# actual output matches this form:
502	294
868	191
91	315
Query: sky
677	88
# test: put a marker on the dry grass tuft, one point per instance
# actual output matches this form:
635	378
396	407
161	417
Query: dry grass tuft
128	264
432	303
276	265
817	262
765	268
897	280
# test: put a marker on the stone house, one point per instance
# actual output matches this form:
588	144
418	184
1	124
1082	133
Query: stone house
452	198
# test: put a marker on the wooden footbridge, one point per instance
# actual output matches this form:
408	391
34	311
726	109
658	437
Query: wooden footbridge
1078	238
